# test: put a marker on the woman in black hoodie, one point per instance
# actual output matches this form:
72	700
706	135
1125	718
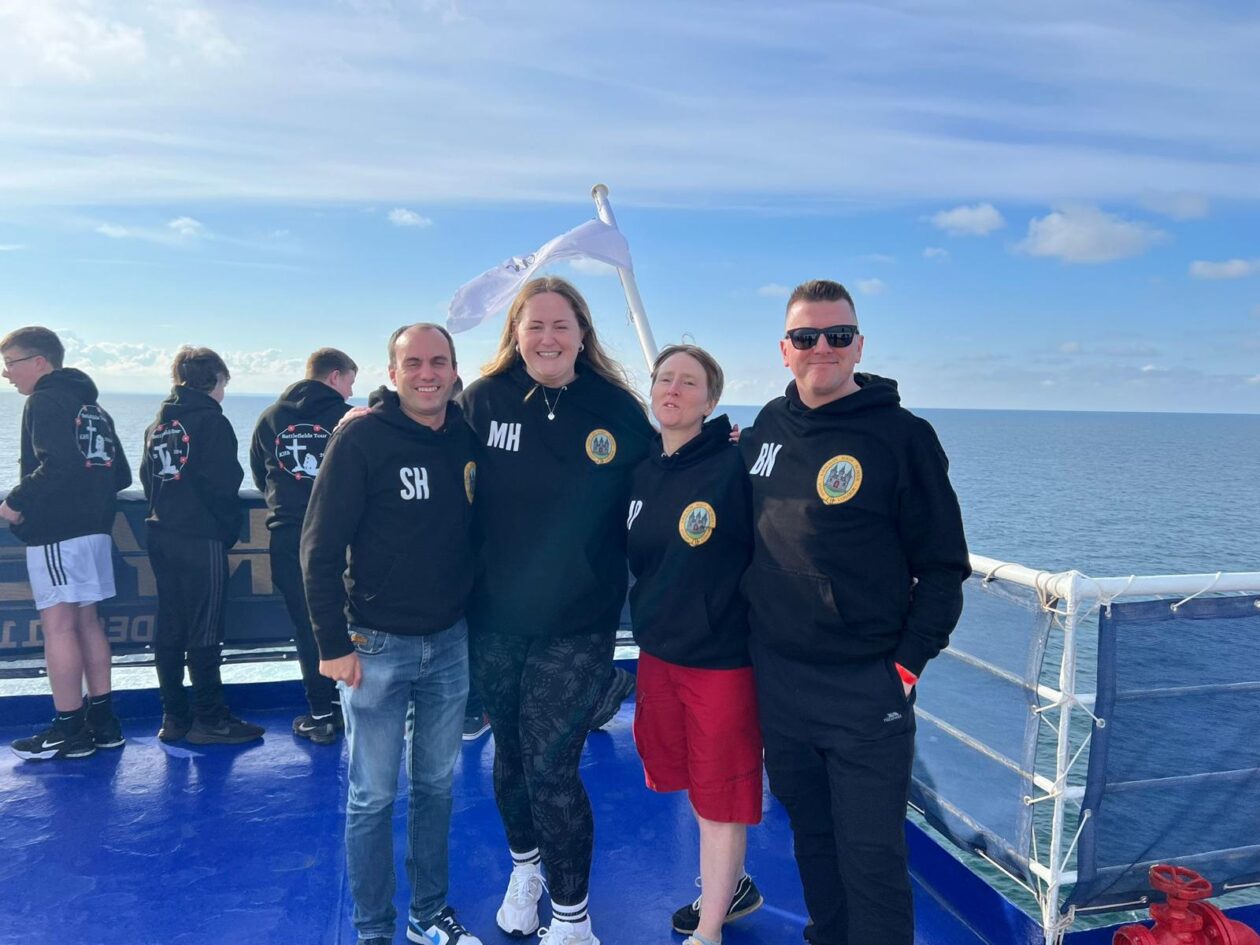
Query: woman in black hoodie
695	718
192	479
561	433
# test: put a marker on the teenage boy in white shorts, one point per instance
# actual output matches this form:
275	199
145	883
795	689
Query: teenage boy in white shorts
63	509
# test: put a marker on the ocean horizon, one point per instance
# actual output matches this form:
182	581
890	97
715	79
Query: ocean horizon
1103	492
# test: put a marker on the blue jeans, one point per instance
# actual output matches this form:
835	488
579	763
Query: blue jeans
413	689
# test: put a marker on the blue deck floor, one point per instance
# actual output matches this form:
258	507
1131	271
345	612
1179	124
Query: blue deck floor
182	844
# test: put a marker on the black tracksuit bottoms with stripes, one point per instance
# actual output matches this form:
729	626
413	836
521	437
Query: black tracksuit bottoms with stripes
839	743
539	693
192	579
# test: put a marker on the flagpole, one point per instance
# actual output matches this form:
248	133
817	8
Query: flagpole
638	317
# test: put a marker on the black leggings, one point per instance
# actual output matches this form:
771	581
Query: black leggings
286	575
539	693
191	575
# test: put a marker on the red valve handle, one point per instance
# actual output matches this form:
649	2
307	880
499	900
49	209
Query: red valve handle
1179	882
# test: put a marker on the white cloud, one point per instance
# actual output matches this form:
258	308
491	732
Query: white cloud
1085	234
187	227
1071	347
11	247
877	258
871	286
1176	206
112	231
592	267
936	252
139	360
977	220
772	290
400	216
1230	269
1254	380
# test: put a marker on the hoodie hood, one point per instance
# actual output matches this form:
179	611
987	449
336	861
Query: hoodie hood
386	404
714	437
874	392
70	381
183	400
309	399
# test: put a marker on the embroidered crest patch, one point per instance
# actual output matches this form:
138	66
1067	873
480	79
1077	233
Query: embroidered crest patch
839	479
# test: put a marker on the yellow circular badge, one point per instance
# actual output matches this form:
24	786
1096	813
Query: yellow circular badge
470	480
839	479
697	523
601	447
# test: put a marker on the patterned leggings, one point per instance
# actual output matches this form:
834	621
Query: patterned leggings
539	693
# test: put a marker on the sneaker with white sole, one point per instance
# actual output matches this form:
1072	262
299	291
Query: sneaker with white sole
747	899
444	930
568	933
59	741
518	916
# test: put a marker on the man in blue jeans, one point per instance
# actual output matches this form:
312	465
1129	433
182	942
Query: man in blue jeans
395	491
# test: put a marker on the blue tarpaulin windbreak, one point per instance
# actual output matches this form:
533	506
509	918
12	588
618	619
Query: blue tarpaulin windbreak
1174	775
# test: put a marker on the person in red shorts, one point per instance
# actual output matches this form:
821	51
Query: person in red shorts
695	722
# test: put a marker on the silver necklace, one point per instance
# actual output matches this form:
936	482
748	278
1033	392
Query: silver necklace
551	408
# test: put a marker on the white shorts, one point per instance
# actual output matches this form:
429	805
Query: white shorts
75	571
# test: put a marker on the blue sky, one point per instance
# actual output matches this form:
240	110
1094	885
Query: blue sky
1035	208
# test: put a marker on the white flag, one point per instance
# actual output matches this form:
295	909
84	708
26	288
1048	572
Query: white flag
494	289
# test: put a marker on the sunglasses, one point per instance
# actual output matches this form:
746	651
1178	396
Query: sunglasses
838	336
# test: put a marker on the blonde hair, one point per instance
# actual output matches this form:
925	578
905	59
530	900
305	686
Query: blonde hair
592	354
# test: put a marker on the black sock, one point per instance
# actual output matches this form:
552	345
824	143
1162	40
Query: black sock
102	706
72	720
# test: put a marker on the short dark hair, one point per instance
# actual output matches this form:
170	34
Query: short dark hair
398	333
198	368
820	290
713	377
325	361
36	340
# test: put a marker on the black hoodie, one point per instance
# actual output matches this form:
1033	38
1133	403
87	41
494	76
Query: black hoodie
399	496
71	463
690	541
190	472
288	447
552	506
859	548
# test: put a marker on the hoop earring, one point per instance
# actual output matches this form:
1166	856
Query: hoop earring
581	347
517	348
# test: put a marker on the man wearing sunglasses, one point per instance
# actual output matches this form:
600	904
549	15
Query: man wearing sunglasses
855	584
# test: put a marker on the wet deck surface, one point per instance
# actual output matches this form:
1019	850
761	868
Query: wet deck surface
167	845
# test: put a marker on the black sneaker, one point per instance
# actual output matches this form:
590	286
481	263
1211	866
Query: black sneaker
322	730
475	726
618	689
174	727
58	741
443	930
106	731
225	729
747	899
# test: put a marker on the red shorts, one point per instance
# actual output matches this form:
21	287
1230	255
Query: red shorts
696	730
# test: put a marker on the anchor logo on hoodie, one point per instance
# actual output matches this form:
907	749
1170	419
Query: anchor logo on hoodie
170	446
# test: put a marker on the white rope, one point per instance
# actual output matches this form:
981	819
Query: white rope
1216	580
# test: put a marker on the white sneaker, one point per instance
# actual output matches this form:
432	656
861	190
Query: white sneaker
568	933
518	916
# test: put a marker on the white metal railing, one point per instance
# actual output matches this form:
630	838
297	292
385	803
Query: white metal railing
1074	597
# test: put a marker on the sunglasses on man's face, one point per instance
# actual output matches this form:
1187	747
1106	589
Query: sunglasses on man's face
838	336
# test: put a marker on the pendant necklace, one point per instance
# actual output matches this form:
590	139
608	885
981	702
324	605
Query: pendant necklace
551	408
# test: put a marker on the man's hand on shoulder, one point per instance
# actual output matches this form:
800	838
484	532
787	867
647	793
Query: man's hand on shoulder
354	413
344	669
12	516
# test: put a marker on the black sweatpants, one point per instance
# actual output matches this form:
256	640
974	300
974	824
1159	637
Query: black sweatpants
286	575
839	743
192	576
539	693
